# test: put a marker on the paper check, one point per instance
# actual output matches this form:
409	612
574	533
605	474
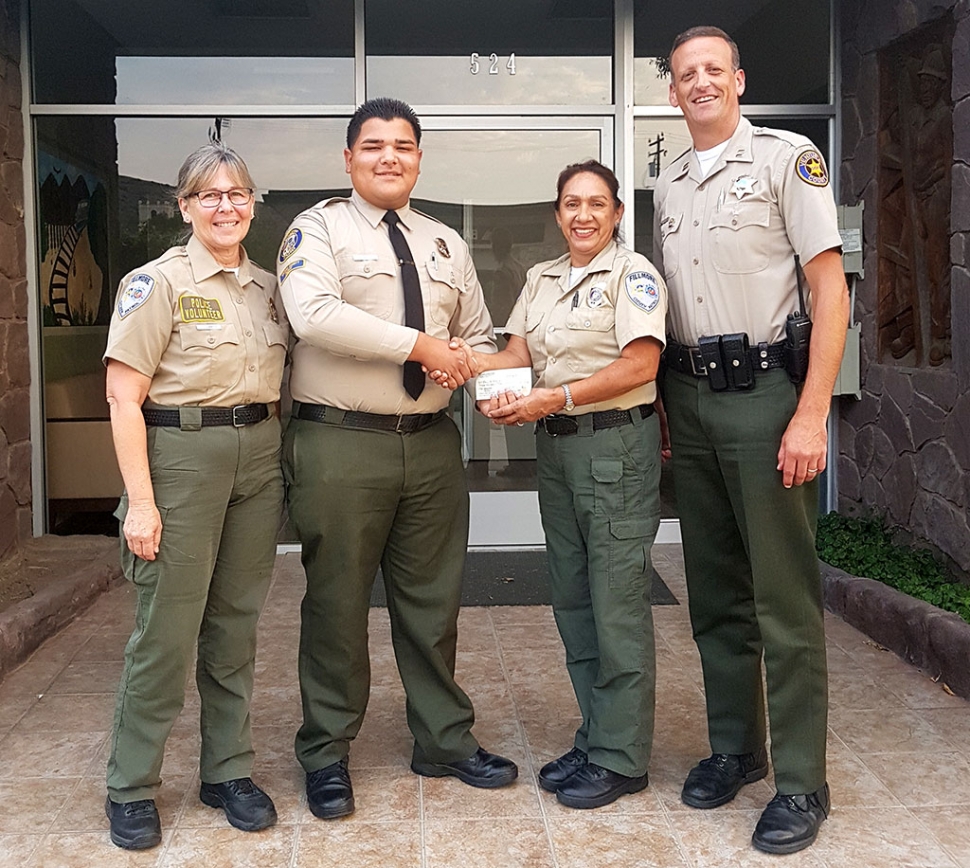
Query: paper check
490	383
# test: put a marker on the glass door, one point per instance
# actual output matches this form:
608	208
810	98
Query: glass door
494	181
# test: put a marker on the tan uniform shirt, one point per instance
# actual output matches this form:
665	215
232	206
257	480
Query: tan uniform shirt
205	336
573	333
727	242
341	286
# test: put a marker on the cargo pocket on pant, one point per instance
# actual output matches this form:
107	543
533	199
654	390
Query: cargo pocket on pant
628	555
127	557
608	476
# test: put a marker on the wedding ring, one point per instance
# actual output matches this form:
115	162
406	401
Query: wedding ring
813	470
519	424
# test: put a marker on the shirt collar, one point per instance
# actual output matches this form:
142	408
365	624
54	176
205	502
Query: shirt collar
603	261
738	150
205	266
374	215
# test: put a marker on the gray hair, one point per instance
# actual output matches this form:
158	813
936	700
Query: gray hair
201	166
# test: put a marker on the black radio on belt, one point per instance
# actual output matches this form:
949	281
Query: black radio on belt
798	335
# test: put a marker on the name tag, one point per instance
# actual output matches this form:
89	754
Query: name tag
194	308
365	257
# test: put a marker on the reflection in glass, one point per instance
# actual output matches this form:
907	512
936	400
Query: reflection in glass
498	53
184	52
785	53
448	80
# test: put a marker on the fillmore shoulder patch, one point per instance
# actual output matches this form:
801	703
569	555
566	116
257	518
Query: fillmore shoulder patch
293	266
135	294
642	290
810	167
195	308
294	238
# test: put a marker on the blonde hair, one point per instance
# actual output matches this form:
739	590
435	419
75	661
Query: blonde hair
201	166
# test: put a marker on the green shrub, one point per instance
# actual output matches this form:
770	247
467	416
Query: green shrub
864	547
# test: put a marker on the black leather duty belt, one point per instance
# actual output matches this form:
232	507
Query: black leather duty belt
688	360
407	424
238	416
563	426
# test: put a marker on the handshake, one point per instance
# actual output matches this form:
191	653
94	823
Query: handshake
449	363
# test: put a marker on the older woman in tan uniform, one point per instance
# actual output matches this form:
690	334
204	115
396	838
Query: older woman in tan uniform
194	361
591	325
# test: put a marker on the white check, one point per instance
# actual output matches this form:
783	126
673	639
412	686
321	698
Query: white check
490	383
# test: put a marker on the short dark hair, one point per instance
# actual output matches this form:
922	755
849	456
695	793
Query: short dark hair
593	167
705	30
384	108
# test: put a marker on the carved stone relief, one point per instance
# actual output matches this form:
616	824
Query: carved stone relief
915	160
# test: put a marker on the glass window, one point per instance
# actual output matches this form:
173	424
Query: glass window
232	52
498	53
105	207
784	52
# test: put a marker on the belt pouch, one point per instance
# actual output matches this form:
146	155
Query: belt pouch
737	361
190	418
710	350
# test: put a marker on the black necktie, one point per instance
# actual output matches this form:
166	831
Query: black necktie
413	306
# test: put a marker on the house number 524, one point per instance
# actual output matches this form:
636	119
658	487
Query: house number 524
476	63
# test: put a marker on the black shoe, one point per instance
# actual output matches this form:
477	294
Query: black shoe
134	825
328	791
553	775
790	823
481	769
593	786
247	807
718	779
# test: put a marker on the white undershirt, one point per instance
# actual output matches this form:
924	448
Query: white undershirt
576	274
708	158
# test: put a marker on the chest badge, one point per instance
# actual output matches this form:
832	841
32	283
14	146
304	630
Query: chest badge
743	186
595	297
442	248
273	315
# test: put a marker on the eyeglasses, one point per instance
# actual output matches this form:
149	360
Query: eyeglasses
213	198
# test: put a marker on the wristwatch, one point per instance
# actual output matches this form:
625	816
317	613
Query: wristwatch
569	406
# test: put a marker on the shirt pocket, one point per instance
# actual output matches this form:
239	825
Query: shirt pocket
272	356
369	284
670	236
740	238
444	292
211	358
591	331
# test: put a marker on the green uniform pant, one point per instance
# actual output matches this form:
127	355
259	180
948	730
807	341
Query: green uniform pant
600	505
360	499
220	495
752	573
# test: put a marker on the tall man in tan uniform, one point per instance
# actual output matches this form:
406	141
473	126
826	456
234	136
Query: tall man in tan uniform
372	460
748	444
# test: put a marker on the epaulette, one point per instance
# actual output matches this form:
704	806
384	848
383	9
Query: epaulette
796	140
429	216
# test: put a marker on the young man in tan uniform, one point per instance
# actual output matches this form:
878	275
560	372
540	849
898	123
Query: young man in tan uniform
731	214
374	470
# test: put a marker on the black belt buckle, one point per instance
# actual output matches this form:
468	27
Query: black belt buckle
400	428
237	420
695	360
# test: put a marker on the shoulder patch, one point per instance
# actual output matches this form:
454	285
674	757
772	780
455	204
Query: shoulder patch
293	266
135	294
810	167
293	240
642	290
